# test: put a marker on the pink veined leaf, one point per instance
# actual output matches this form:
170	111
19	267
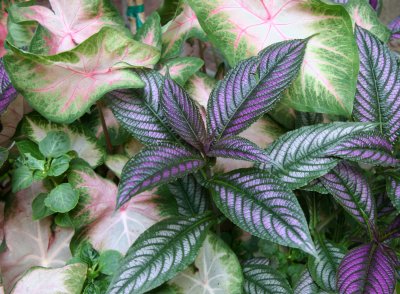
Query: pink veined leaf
31	243
368	268
68	22
150	32
62	87
182	68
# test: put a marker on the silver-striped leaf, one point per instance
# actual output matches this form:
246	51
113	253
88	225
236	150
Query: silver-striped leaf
305	284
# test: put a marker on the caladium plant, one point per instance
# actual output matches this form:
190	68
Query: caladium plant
227	147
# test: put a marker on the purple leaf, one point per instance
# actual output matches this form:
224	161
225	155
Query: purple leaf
351	189
252	88
394	27
238	148
368	268
371	149
8	93
383	205
154	166
183	115
139	110
305	284
263	206
375	4
393	191
378	86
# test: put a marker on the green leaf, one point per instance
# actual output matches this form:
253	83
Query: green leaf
3	155
62	198
39	209
59	165
150	32
299	155
22	178
160	253
116	163
182	68
55	144
326	84
27	146
215	270
109	261
33	163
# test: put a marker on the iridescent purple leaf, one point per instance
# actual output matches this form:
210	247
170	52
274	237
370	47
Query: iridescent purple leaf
394	27
367	148
350	189
305	284
252	88
183	115
7	91
393	231
261	277
238	148
368	268
393	191
378	86
139	110
190	196
263	206
376	5
154	166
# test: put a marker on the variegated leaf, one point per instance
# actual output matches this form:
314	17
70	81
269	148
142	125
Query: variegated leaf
252	88
7	91
394	27
305	284
263	206
160	253
378	86
182	68
241	29
154	166
308	119
140	111
150	32
351	189
299	156
260	277
393	191
62	87
183	115
368	268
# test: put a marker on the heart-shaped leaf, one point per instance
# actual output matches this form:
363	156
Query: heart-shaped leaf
368	268
351	189
260	277
378	86
183	115
216	269
263	206
393	191
238	148
140	111
305	284
323	270
367	148
299	155
62	87
150	32
155	166
240	29
7	91
160	253
182	68
67	23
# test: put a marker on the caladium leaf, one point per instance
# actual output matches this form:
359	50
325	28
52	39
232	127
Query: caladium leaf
140	111
7	91
260	277
367	148
351	189
182	68
378	85
160	253
299	155
116	163
252	88
67	279
323	270
263	206
155	166
240	29
67	23
393	191
305	284
190	196
368	268
37	128
238	148
216	269
183	115
62	87
10	119
182	27
394	27
31	243
150	32
199	87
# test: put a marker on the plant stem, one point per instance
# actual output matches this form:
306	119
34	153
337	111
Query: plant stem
105	130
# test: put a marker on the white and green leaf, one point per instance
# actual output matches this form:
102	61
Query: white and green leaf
182	68
150	32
